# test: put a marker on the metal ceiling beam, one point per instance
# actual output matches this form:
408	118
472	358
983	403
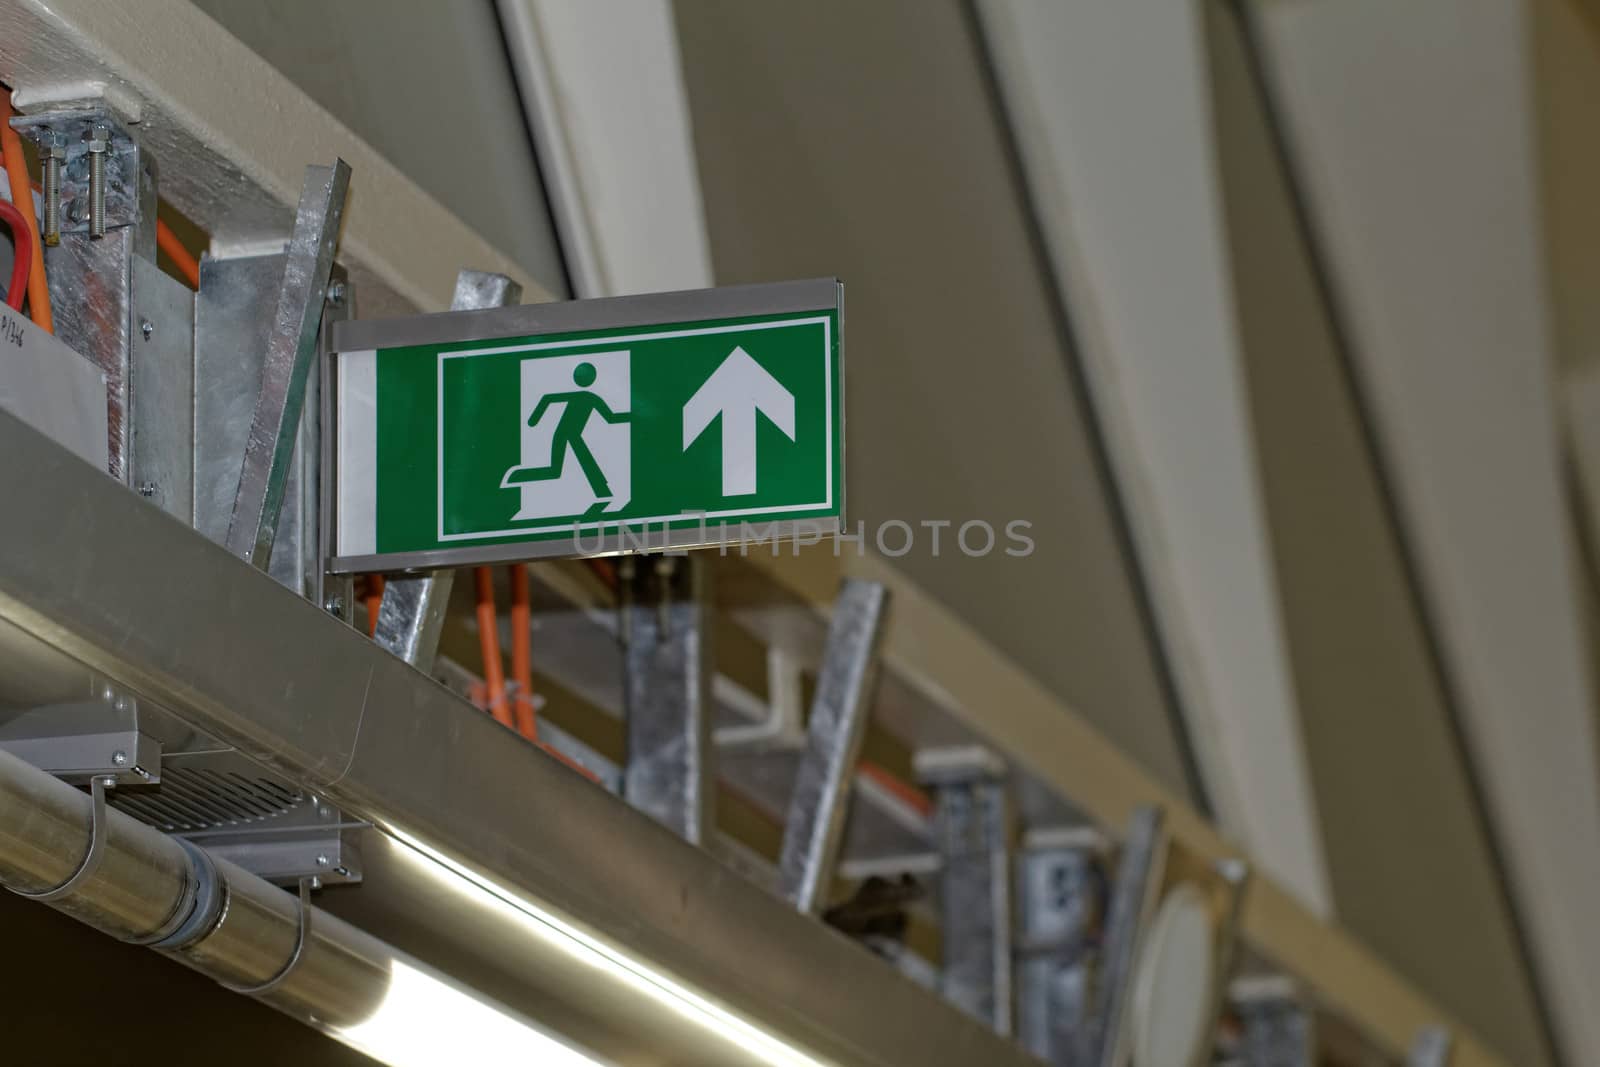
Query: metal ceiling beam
176	619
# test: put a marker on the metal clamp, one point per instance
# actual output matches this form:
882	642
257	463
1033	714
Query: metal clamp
198	912
302	935
97	844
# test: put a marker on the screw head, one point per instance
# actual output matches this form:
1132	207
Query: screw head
146	328
119	757
337	293
147	489
334	605
322	861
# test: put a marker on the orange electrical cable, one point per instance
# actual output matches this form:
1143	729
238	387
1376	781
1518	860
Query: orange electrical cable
569	762
187	265
903	790
494	672
22	257
477	692
522	652
374	602
22	196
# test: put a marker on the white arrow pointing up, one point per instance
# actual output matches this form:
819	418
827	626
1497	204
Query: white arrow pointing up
736	390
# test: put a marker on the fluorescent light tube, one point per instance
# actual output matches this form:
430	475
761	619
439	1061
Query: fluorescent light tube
718	1022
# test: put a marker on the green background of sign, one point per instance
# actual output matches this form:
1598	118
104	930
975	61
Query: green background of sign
483	427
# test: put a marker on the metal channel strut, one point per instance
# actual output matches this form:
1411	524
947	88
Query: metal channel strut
666	690
973	818
1060	894
113	305
233	319
412	611
839	712
291	348
1138	877
1276	1024
1431	1048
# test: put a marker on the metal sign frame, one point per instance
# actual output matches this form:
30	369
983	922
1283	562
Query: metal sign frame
657	311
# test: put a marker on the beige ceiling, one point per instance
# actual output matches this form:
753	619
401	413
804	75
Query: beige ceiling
861	140
430	86
1410	859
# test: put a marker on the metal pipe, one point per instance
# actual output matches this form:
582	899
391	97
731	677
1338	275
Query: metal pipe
147	885
143	877
341	976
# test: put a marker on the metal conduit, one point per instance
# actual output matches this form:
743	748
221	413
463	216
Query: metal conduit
148	888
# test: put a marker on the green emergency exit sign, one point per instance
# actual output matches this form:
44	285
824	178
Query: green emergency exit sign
593	426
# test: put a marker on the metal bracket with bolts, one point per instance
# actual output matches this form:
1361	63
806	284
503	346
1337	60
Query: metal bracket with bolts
52	157
99	137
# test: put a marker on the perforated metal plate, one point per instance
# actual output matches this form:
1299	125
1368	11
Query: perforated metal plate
239	810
